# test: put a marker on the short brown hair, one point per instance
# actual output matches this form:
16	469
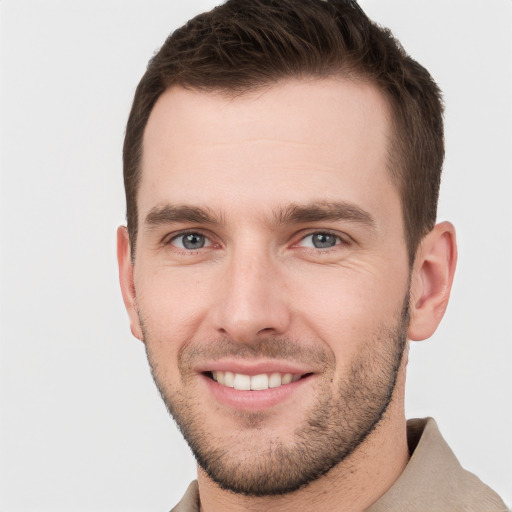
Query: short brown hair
245	44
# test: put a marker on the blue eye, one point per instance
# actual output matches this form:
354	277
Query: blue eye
320	240
191	241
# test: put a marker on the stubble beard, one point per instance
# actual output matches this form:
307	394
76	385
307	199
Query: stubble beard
336	425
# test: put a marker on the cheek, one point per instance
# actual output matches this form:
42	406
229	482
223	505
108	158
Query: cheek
171	304
345	307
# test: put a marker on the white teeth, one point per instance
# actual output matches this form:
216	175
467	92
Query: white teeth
274	381
229	379
242	382
259	382
287	378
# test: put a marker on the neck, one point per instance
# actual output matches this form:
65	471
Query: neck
353	485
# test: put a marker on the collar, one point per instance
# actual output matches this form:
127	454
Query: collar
434	480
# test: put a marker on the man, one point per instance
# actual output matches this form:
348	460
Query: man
282	163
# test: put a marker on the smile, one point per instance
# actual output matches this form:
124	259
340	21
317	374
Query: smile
259	382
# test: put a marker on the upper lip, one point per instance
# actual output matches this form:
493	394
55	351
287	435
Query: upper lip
246	367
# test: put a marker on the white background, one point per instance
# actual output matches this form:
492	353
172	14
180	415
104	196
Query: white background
82	426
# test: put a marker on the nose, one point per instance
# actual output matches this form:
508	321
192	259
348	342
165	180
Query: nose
252	301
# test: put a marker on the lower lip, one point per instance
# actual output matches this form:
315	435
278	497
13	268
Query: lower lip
253	400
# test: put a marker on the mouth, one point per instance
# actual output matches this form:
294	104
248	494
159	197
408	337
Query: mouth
256	386
260	382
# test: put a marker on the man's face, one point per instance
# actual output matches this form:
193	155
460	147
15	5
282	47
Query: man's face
271	255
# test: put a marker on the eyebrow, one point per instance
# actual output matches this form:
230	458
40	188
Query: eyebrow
160	215
291	214
324	211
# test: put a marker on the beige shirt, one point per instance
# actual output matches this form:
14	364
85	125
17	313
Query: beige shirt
433	480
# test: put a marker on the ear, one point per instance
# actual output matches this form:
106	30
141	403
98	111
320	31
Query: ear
432	278
126	280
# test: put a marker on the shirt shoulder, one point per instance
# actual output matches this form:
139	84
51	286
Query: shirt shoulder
434	480
190	500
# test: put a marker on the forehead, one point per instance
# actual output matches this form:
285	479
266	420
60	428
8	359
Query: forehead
290	142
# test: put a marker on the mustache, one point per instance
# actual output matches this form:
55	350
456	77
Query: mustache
280	348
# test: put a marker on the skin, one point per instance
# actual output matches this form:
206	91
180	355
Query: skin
246	161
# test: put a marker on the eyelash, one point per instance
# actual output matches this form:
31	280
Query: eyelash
340	241
182	234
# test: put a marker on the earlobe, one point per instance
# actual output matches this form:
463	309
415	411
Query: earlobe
431	281
127	281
